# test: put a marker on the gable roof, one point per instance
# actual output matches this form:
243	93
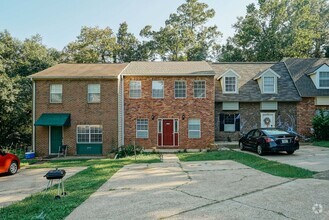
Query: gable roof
249	90
228	71
80	71
191	68
300	69
260	74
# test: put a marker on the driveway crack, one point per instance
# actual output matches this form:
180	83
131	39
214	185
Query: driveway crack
257	207
229	199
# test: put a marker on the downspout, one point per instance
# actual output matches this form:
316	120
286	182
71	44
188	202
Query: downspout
33	115
123	111
120	111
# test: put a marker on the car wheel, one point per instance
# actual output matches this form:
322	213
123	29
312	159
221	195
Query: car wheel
260	150
290	152
241	146
13	168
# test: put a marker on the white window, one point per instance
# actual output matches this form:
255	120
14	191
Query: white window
180	89
194	128
230	84
269	84
324	79
229	122
199	88
56	93
142	128
94	93
135	89
157	89
89	134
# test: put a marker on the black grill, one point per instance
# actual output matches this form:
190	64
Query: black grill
56	175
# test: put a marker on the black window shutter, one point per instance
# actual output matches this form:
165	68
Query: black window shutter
237	122
221	122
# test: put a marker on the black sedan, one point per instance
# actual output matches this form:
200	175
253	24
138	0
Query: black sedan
269	140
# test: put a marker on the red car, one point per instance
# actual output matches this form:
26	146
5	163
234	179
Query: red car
9	163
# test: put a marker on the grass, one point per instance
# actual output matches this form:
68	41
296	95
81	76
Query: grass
321	143
253	161
79	187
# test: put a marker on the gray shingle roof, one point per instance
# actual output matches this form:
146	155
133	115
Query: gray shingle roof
197	68
299	70
249	90
62	71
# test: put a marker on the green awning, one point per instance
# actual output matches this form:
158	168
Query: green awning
54	119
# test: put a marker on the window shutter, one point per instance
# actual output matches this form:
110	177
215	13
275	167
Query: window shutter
221	122
237	122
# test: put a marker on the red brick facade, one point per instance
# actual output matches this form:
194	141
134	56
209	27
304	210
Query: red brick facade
82	113
306	110
169	108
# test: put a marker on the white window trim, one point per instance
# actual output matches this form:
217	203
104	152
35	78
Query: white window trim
162	89
185	89
100	89
274	86
143	130
205	89
50	92
318	80
235	86
188	130
139	89
77	134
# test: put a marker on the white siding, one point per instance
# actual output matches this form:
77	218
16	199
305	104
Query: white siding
322	100
269	106
230	105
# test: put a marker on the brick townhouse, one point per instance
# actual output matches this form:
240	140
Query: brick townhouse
76	105
253	95
168	104
311	77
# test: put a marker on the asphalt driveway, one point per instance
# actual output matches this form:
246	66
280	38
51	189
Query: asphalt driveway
26	182
204	190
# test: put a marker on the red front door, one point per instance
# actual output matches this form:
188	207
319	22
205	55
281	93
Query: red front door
168	132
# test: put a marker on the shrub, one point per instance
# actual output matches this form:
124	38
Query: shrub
321	126
128	150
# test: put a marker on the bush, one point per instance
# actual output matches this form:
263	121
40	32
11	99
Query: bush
128	150
321	126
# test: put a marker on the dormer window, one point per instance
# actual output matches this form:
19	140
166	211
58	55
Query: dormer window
229	81
269	84
324	80
268	81
230	84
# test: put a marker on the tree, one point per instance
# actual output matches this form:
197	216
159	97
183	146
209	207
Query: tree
93	45
17	60
128	45
185	36
279	28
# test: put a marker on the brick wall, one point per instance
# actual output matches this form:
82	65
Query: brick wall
306	110
82	113
168	108
250	118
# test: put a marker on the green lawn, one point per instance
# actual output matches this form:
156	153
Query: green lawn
258	163
79	187
321	143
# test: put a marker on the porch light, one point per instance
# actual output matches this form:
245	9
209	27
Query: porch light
183	116
152	117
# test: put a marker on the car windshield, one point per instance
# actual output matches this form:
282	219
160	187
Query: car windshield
275	132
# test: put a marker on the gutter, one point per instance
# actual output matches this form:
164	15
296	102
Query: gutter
33	115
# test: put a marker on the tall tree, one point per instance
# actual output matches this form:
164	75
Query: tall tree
93	45
128	45
17	60
279	28
185	36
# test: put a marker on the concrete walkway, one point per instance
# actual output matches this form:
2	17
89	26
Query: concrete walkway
170	158
27	182
204	190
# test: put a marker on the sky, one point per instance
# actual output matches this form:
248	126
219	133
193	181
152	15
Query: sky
59	21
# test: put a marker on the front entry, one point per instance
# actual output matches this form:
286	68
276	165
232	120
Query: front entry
56	137
168	132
